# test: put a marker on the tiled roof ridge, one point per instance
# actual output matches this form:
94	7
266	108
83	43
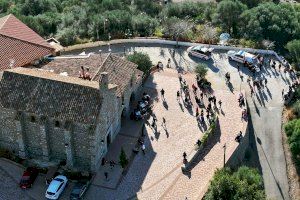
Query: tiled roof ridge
6	18
105	59
51	76
47	47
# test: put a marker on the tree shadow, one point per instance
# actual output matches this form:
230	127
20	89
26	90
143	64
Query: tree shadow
209	145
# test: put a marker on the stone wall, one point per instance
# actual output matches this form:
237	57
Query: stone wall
56	143
8	132
81	143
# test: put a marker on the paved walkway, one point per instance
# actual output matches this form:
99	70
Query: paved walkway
157	174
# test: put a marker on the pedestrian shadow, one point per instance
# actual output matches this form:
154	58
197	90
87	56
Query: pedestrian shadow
165	104
256	108
230	87
269	92
181	106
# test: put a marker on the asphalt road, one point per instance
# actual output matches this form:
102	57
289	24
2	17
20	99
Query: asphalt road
266	112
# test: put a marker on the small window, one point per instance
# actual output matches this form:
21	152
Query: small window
57	124
32	119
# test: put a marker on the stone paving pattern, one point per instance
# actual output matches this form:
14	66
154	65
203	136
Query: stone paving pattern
152	176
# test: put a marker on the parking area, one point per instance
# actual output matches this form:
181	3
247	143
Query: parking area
10	176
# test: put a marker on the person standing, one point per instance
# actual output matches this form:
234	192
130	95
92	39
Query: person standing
178	95
282	92
106	176
143	148
266	81
220	103
238	68
201	96
162	92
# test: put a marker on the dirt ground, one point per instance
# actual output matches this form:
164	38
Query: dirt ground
293	177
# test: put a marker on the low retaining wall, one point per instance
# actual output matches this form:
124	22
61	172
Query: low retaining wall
169	42
187	167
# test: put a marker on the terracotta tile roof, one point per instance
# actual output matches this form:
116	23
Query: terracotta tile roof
48	94
13	27
72	66
119	70
19	44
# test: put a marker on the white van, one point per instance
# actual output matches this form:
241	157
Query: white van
200	52
244	57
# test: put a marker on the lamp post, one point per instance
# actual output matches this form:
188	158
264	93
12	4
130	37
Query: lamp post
104	24
224	147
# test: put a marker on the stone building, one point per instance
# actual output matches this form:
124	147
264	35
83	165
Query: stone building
52	115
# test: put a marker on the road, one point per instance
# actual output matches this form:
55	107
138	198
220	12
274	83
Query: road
267	129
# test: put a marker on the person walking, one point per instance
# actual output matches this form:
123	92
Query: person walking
106	176
169	63
162	92
143	148
215	101
178	95
266	81
282	92
201	96
220	103
180	78
238	68
252	91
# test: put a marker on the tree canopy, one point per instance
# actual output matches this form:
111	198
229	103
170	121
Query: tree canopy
142	60
245	184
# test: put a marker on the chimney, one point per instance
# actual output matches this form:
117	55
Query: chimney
104	80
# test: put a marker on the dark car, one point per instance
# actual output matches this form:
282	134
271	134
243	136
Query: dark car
29	175
79	190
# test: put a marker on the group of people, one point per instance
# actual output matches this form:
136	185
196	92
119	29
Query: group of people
85	74
142	109
184	89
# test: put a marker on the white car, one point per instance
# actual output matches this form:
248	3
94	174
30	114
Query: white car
243	57
200	52
56	187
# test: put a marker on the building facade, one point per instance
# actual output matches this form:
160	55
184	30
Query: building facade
50	116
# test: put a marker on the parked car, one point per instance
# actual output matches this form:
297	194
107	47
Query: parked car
79	190
244	57
200	52
56	187
28	177
51	173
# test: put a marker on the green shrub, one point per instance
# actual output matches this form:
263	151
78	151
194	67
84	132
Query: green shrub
246	183
292	130
296	108
201	70
142	60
